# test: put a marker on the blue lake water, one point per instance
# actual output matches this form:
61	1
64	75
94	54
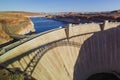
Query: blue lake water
43	24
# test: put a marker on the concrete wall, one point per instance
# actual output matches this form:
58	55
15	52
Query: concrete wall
88	50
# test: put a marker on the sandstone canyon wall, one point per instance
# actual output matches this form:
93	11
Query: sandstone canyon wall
14	24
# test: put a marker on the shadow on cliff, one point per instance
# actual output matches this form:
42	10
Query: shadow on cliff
99	54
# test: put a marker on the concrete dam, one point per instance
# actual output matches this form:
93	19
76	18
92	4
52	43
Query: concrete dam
72	53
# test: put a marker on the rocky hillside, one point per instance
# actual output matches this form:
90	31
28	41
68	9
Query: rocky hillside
73	17
12	25
4	37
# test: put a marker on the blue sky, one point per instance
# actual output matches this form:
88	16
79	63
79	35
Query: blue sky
59	5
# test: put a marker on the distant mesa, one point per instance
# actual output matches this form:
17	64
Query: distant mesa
76	17
116	11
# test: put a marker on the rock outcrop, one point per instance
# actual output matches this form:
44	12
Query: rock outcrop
14	24
73	17
4	37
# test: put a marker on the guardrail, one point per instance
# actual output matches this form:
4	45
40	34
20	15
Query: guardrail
15	44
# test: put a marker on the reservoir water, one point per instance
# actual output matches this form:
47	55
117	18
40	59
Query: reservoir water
43	24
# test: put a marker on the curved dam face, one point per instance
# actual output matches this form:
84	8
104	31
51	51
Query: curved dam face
74	53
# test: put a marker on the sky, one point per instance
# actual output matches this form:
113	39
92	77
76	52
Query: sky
59	5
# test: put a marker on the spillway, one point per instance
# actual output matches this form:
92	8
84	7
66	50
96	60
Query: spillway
72	53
